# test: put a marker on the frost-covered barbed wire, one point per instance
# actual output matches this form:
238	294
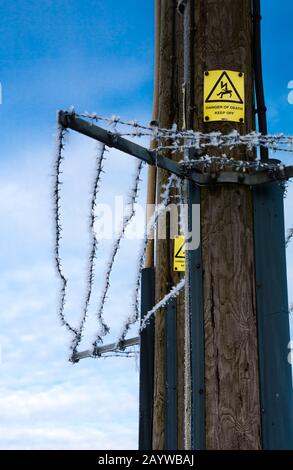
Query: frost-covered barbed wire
160	208
93	249
126	220
208	163
174	292
192	140
124	354
114	120
61	132
273	143
211	139
195	140
289	236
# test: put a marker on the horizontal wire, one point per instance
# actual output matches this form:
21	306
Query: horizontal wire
195	139
208	161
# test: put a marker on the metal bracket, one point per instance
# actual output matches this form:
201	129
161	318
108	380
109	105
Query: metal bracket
110	139
171	377
106	349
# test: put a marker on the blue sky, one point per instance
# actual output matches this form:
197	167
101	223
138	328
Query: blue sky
95	55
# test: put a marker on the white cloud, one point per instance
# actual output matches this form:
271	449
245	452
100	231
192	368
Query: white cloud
57	437
46	402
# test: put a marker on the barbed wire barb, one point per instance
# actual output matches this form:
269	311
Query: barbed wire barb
174	292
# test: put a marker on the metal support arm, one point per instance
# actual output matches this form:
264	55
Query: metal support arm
107	349
110	139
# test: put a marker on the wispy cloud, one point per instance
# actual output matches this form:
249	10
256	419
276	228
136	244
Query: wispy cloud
68	416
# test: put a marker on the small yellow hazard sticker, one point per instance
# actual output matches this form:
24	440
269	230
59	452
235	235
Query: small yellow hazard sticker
224	96
179	254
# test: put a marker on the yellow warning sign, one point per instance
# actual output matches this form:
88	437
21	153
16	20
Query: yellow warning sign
224	96
179	253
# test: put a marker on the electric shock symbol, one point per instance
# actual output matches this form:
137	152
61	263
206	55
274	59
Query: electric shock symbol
225	90
221	88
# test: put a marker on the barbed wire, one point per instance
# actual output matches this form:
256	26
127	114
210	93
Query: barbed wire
93	250
60	141
174	292
103	327
183	141
211	139
189	139
251	141
206	162
126	220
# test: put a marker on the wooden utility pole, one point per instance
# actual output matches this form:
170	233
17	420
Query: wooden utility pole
222	40
170	111
152	170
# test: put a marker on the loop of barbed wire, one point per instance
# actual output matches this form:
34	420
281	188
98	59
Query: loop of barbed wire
61	133
103	328
126	221
170	140
93	250
160	208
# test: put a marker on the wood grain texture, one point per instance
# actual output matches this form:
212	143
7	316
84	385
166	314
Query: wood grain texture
170	111
231	360
152	170
223	36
